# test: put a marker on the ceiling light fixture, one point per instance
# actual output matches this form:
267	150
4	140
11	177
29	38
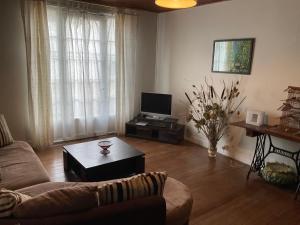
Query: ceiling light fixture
176	4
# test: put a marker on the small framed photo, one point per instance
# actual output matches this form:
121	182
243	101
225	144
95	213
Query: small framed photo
255	118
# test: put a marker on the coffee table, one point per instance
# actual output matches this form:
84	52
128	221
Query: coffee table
89	164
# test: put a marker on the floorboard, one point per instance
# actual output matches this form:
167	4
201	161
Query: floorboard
222	196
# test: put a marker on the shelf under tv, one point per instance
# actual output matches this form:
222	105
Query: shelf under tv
167	130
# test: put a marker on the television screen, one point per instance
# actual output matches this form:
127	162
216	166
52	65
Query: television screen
156	103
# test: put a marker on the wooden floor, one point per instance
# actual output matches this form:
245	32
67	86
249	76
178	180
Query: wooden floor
222	196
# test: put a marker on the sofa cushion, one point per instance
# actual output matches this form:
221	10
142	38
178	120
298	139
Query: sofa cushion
138	186
5	135
20	166
9	200
81	196
50	186
145	211
59	201
178	197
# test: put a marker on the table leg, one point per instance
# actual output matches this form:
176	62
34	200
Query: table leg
258	157
140	165
297	191
66	161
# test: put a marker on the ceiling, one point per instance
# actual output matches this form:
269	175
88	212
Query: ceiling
147	5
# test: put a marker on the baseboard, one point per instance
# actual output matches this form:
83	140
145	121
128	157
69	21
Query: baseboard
239	154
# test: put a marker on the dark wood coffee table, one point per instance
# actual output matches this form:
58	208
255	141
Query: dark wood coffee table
89	164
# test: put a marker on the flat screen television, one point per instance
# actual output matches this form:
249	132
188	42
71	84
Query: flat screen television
156	104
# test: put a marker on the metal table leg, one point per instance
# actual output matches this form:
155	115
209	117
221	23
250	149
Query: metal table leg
258	159
297	191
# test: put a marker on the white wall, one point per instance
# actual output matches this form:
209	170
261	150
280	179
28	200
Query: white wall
13	83
184	55
147	26
13	76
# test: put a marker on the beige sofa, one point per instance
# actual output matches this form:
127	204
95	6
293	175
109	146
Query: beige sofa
22	170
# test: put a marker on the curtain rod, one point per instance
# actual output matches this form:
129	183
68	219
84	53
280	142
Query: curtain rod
110	9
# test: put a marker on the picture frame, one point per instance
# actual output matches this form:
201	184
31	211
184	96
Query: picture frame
233	56
255	117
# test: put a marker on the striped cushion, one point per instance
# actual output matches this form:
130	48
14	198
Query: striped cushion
5	136
138	186
9	200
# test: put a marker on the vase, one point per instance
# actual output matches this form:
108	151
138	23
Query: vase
212	151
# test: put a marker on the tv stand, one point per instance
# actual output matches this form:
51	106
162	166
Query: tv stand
165	130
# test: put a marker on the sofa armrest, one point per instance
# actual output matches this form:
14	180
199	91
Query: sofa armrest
144	211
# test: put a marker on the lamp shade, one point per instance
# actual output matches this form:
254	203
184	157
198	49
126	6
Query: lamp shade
176	4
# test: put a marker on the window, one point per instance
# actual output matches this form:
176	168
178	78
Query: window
83	72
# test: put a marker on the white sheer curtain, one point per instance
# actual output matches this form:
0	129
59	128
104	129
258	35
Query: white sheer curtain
126	33
37	53
90	76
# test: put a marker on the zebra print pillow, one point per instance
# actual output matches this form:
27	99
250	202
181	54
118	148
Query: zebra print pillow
5	136
138	186
9	200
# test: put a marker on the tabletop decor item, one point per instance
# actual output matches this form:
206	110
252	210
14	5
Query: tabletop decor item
211	112
255	117
279	174
105	146
290	108
233	56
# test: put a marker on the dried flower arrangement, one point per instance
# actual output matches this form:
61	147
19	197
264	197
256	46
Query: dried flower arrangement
211	112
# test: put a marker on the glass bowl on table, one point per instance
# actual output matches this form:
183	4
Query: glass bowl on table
104	145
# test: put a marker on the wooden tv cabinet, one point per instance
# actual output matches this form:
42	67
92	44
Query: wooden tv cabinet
167	130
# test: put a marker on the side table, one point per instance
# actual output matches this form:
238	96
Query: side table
262	133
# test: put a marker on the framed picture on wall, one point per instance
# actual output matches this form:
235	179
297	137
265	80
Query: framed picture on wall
233	56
